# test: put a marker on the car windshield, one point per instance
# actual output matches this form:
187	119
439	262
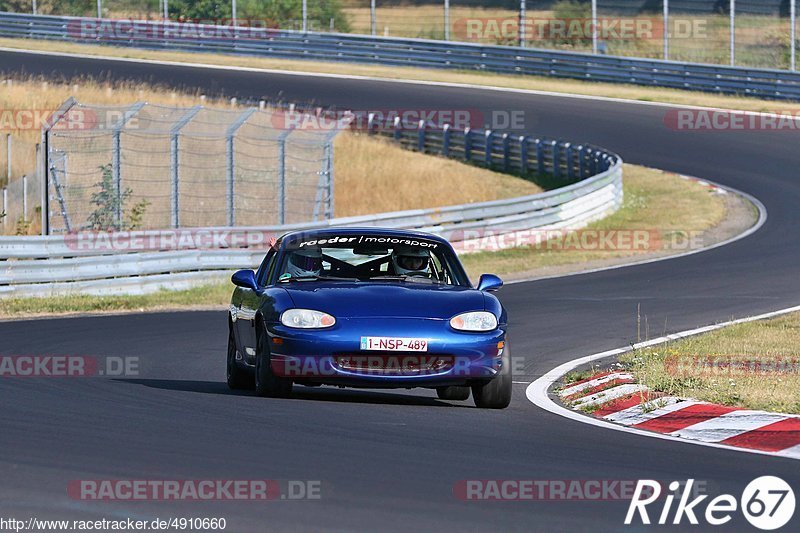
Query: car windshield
370	258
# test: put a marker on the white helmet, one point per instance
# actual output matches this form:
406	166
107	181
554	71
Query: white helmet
409	260
305	262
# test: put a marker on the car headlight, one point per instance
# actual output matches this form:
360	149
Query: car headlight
307	319
474	321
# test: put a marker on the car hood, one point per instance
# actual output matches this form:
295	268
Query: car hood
385	300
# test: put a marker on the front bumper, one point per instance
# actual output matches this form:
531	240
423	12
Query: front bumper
334	356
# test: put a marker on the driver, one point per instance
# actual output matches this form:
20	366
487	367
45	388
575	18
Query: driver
410	261
305	262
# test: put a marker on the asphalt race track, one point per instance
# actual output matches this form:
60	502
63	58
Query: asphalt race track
389	460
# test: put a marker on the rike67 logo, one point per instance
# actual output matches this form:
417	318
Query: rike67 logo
767	502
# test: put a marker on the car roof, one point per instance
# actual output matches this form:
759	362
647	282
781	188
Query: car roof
368	231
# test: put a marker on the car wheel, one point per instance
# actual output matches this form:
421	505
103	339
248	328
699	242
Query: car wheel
495	394
267	383
452	392
238	378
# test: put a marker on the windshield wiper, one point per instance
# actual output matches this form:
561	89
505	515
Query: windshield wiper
404	278
316	278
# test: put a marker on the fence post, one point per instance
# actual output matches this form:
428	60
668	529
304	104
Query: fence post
5	207
373	22
305	16
329	169
116	171
733	32
282	175
666	29
115	162
487	148
233	14
446	140
594	26
174	163
8	157
793	33
45	168
522	15
467	144
35	9
25	198
231	161
38	172
446	20
99	9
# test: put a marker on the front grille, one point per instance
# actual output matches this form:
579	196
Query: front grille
394	364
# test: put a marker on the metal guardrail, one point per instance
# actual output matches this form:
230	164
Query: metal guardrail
129	262
764	83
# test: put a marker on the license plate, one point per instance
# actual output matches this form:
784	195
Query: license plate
394	344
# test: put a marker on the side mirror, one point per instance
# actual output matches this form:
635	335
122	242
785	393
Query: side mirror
489	283
245	278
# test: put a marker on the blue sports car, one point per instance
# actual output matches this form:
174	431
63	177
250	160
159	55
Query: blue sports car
368	307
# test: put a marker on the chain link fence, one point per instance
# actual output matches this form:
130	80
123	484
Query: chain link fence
20	189
751	33
148	166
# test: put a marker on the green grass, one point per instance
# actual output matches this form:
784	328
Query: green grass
216	294
654	200
675	368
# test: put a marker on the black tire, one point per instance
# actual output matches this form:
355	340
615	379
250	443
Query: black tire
238	378
495	394
453	392
267	383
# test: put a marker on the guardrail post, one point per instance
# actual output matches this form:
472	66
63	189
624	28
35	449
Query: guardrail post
421	136
556	155
568	158
398	128
488	146
540	168
581	161
446	140
174	163
506	159
523	155
467	144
